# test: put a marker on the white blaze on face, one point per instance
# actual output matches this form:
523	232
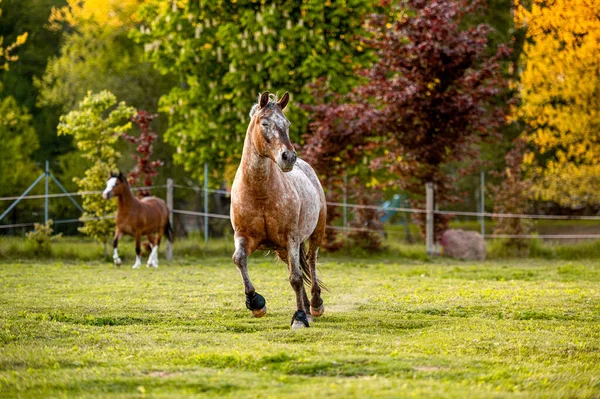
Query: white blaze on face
110	184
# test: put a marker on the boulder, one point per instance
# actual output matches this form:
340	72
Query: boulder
461	244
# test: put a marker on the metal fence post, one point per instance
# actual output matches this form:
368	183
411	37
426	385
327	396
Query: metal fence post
47	173
205	202
482	195
429	218
170	206
344	212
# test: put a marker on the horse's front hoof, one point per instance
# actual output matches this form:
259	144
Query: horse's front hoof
136	266
258	313
299	320
257	304
317	312
117	261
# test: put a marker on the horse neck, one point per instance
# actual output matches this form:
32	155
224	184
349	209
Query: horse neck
126	200
256	169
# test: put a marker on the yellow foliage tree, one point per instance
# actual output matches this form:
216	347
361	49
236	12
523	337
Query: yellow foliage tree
111	13
560	92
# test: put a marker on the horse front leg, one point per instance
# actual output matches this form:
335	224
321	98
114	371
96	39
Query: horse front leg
138	252
299	320
115	244
254	301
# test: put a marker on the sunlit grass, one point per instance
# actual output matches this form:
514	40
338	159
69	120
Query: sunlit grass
392	328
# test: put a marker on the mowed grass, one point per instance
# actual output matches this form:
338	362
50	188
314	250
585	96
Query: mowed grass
392	328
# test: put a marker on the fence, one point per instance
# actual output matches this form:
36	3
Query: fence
429	211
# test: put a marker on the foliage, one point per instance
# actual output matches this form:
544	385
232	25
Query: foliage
391	329
96	54
30	16
143	143
429	99
18	141
560	92
42	237
6	56
512	196
227	52
96	126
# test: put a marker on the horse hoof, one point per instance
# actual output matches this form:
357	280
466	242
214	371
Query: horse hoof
257	304
317	312
309	318
299	320
258	313
136	266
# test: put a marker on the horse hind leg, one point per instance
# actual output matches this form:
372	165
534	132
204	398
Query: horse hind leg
138	252
317	307
154	243
255	302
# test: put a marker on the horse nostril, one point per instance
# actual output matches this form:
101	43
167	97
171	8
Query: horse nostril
284	156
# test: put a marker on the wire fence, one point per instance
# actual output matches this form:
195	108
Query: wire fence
344	228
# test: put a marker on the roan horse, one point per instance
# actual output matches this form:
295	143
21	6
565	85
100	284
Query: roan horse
146	217
277	202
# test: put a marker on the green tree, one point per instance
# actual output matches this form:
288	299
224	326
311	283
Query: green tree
30	16
228	52
18	141
96	126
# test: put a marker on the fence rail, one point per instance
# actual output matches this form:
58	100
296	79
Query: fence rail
207	215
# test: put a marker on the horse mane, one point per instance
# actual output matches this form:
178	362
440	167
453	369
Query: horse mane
272	101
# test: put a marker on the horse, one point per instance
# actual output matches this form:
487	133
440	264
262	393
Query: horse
278	203
146	217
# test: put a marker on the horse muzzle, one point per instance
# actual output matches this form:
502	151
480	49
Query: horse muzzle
288	159
107	196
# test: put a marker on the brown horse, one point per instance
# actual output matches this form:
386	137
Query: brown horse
146	217
277	202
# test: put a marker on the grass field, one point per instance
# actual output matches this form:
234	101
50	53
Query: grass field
392	328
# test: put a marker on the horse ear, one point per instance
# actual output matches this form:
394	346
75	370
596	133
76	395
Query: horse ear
264	99
120	176
284	100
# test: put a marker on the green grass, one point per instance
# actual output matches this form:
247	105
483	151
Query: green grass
392	328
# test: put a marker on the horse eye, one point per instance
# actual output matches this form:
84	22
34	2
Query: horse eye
265	124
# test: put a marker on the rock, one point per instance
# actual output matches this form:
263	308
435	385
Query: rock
461	244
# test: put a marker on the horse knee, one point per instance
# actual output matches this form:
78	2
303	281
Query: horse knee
296	280
239	257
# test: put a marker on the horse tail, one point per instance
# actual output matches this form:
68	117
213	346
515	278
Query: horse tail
306	268
169	231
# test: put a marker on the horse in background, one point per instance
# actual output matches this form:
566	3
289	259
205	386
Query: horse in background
148	217
277	202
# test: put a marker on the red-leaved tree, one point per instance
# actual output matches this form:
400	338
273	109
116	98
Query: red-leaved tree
434	93
145	169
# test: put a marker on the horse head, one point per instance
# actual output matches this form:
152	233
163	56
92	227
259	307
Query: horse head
115	186
269	131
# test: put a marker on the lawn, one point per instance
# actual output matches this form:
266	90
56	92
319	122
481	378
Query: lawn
392	328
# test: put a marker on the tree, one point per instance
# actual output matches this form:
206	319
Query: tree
17	142
6	51
29	17
431	98
96	126
143	147
560	94
228	52
512	196
97	54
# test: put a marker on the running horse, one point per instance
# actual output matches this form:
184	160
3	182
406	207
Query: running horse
148	217
277	202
